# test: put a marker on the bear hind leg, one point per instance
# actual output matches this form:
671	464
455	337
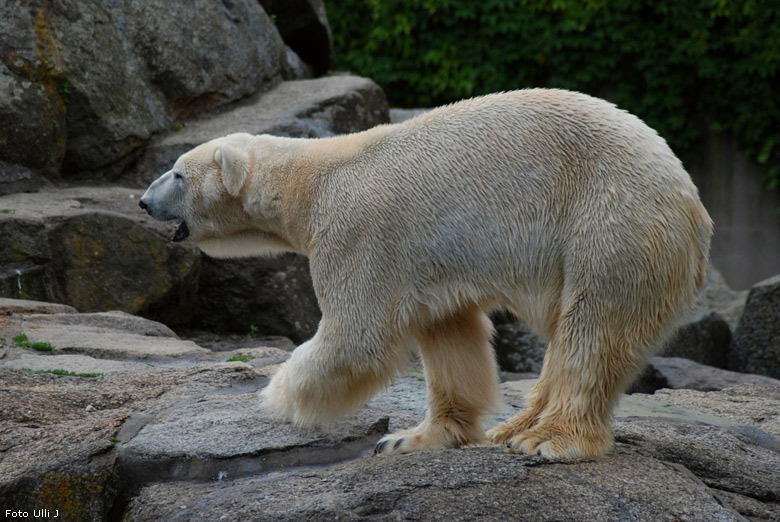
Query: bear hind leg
462	379
586	368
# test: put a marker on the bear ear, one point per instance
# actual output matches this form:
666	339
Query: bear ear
235	167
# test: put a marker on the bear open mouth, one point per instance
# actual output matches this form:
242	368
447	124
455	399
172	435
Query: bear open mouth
181	232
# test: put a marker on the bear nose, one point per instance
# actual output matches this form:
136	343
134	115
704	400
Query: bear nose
142	204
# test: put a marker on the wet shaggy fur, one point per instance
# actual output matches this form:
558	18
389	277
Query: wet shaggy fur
560	207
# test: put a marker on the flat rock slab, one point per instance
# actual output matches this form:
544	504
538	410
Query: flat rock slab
680	373
79	364
22	306
103	343
748	404
116	321
471	484
229	435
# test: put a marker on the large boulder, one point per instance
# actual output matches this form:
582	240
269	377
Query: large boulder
94	249
756	344
88	82
273	296
32	113
518	348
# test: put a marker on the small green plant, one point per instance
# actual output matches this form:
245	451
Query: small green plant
253	330
7	211
114	439
65	92
176	126
65	373
22	341
241	358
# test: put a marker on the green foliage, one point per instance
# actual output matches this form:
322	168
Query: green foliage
65	373
681	66
22	341
241	358
254	331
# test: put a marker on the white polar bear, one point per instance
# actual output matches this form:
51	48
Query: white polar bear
569	212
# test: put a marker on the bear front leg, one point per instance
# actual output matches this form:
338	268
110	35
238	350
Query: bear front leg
335	372
462	380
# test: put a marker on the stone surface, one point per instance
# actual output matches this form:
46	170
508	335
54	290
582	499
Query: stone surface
756	405
273	295
17	178
472	484
109	255
117	321
704	338
93	248
182	438
83	84
518	348
677	373
21	306
756	344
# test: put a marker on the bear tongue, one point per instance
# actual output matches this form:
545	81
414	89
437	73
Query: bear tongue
181	232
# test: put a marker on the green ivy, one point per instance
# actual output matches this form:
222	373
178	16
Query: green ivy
683	67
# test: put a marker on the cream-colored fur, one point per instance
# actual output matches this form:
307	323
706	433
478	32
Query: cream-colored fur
558	206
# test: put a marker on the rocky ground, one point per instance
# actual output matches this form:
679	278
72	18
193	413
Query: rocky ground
109	416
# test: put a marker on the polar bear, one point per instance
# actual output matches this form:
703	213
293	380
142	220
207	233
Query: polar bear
560	207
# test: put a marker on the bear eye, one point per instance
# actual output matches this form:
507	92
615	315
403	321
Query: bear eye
177	175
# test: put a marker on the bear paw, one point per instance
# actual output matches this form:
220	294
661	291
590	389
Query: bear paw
405	442
558	443
430	436
502	433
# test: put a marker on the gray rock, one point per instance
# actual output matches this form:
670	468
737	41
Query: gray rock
78	364
25	252
107	343
472	484
304	108
86	83
711	453
31	114
518	348
17	178
188	441
109	256
756	344
705	338
399	115
58	434
303	26
755	405
109	321
21	306
677	373
273	295
183	438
